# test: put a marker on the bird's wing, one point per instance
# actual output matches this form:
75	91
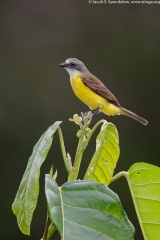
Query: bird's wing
98	87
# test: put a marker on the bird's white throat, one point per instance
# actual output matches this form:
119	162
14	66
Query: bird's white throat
72	72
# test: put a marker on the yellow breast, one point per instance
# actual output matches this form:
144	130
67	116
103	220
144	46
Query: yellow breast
91	99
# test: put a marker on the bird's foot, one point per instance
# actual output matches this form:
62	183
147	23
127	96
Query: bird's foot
95	111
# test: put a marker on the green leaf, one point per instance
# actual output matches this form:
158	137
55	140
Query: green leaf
144	183
26	198
86	210
103	163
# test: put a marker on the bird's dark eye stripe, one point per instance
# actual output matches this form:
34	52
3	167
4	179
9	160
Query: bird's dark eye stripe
72	64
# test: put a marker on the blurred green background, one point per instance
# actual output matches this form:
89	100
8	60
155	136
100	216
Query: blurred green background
120	44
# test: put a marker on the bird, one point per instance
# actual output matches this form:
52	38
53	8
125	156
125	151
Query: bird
91	91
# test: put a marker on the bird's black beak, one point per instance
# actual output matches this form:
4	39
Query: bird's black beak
63	65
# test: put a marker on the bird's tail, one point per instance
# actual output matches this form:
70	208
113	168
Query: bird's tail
134	116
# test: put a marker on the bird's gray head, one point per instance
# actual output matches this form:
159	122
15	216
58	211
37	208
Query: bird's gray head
74	66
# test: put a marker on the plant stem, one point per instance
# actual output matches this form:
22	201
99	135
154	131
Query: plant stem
118	175
79	153
49	230
93	130
66	159
46	229
82	144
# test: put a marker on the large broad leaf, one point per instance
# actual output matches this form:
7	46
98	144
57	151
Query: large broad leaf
144	183
104	160
86	210
26	199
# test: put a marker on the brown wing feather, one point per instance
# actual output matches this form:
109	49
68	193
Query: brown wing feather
98	87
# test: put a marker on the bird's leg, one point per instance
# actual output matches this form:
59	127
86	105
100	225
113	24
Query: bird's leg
95	111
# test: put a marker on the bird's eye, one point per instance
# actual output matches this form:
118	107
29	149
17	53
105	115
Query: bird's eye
72	65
